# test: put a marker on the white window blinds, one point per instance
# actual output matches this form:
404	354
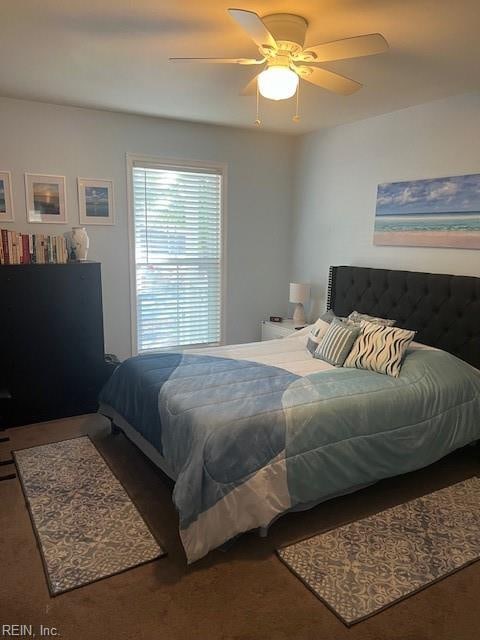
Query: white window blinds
178	261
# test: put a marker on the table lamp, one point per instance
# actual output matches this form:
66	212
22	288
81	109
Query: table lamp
299	294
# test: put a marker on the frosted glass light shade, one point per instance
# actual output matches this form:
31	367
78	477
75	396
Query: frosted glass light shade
299	292
277	83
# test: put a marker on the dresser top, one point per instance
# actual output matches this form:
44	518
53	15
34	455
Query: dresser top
50	264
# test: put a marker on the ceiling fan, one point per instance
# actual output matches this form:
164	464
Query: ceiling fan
280	39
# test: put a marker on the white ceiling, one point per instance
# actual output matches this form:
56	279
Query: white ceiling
113	54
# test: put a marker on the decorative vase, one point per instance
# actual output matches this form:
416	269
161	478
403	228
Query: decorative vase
80	243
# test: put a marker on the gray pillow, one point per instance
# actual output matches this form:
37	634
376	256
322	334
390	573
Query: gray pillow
337	342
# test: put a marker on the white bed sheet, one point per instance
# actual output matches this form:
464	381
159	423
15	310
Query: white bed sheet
289	353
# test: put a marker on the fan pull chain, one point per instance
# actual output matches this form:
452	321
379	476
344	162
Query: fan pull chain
258	122
296	117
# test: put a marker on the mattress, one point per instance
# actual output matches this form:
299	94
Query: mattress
251	431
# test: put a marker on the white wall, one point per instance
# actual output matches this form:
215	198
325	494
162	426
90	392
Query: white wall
336	176
333	178
44	138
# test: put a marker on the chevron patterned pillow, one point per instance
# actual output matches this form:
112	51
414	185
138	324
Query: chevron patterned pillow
379	348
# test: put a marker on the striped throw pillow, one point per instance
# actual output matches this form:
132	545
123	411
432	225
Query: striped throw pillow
381	349
337	342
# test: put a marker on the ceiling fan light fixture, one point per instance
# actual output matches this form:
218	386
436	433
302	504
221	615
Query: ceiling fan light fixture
277	83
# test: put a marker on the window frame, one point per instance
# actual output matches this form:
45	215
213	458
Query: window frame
132	160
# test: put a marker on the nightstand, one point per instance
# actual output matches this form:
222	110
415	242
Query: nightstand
273	330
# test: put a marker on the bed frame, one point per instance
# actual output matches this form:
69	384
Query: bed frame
443	309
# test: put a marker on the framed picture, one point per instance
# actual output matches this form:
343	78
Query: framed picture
6	200
45	197
95	201
438	212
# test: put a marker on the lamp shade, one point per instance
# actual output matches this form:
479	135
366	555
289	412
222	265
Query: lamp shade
277	83
299	293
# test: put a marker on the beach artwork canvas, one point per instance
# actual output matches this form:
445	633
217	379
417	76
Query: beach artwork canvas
440	212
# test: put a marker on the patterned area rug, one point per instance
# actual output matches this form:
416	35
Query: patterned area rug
363	567
86	525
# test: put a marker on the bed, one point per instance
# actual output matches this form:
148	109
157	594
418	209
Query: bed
249	432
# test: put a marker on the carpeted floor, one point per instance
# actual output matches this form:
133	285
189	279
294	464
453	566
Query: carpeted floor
243	594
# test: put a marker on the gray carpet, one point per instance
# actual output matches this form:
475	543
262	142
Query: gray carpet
86	525
245	594
363	567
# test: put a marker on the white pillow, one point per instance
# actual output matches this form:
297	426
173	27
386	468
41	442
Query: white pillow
315	336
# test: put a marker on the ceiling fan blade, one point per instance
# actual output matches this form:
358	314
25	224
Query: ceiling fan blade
250	89
253	25
356	47
328	80
246	61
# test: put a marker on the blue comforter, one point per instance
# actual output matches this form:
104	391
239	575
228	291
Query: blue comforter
249	441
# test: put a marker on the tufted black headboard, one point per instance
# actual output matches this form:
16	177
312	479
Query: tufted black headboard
443	309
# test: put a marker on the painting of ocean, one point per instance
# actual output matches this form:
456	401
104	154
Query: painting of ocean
96	201
3	198
440	212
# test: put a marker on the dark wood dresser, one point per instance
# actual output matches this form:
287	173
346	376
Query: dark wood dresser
51	340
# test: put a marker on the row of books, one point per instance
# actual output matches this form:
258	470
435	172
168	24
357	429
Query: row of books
26	248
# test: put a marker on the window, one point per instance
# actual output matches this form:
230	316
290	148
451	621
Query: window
177	236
